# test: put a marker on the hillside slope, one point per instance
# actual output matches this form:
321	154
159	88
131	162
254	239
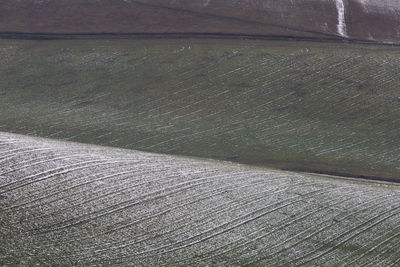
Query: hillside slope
328	108
74	204
367	20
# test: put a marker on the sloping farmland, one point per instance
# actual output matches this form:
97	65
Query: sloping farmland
66	203
363	20
330	108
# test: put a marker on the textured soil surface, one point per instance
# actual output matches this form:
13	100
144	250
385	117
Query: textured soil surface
330	108
367	20
226	90
74	204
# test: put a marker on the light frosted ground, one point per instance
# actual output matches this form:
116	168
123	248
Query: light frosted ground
66	203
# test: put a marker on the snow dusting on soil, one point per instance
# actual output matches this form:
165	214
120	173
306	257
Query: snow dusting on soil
73	204
341	26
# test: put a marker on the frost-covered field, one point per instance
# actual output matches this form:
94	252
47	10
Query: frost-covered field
72	204
328	107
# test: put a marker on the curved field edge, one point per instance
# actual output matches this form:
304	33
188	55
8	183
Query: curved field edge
371	20
75	204
330	108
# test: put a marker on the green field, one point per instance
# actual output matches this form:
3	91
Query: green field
319	107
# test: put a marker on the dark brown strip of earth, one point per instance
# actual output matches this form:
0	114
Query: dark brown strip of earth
174	35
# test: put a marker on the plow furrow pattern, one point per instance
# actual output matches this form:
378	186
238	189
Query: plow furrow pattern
86	205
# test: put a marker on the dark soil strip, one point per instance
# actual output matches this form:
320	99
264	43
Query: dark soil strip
177	35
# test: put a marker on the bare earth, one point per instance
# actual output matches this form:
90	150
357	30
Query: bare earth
365	20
